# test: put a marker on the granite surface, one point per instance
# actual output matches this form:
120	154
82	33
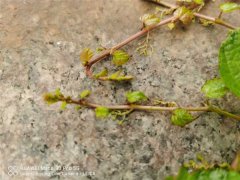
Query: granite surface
40	42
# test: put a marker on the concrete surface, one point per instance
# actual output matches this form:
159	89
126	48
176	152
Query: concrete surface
40	42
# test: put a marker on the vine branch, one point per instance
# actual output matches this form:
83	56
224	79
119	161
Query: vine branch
208	108
199	15
104	54
107	52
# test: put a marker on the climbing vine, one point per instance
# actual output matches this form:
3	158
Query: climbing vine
184	12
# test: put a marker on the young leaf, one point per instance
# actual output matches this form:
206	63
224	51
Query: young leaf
229	57
102	112
86	55
149	19
184	14
181	117
214	88
85	94
77	107
229	7
63	105
103	73
118	77
200	2
50	98
58	92
135	96
171	25
120	57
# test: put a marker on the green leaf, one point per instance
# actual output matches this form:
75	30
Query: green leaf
119	57
184	14
135	96
118	77
214	88
181	117
171	25
77	107
63	105
85	94
103	73
208	174
102	112
229	7
150	19
86	55
58	92
51	98
229	57
199	1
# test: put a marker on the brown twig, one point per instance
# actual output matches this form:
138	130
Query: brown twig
202	16
107	52
151	107
144	31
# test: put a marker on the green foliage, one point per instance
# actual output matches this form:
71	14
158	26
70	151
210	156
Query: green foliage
214	88
117	76
119	57
171	25
150	19
85	94
103	73
181	117
86	55
63	105
199	2
229	57
136	96
102	112
51	98
229	7
209	174
77	107
184	14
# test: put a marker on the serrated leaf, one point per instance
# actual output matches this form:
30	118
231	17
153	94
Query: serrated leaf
119	57
136	96
229	57
181	117
63	105
103	73
86	55
102	112
214	88
85	94
118	77
171	25
184	14
150	19
229	7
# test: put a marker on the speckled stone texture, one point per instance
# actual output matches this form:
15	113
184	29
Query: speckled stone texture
40	43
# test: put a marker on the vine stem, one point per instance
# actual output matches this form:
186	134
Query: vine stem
144	31
152	108
107	52
202	16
